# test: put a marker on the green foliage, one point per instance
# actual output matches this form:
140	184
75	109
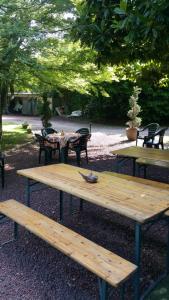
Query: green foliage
155	105
135	109
114	107
109	101
27	29
125	31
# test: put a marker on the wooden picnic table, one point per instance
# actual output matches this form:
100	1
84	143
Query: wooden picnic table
140	202
140	152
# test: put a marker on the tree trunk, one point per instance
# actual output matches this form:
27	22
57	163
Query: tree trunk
3	97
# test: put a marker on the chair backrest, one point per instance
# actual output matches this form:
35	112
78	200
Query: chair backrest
48	130
83	131
40	139
80	142
152	128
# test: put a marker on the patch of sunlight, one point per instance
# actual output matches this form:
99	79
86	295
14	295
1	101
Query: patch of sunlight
11	127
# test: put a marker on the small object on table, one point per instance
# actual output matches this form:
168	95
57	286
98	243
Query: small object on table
90	177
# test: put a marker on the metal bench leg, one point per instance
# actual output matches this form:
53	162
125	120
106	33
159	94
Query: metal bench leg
145	171
167	263
61	206
3	175
15	231
122	291
137	259
28	192
81	205
134	167
70	205
103	289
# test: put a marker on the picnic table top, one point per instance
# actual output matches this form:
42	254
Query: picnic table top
141	152
135	200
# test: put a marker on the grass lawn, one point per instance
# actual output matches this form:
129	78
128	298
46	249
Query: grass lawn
14	135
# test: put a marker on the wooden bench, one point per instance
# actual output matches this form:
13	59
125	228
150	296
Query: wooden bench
144	162
141	180
109	267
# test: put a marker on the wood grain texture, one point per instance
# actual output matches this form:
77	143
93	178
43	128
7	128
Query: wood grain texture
135	200
152	183
141	152
108	266
153	162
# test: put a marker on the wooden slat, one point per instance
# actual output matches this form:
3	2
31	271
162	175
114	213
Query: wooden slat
141	180
148	182
134	200
153	162
108	266
141	152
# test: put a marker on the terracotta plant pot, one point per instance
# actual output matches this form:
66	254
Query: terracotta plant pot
131	133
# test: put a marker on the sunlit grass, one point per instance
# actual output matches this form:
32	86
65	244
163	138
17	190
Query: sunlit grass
14	135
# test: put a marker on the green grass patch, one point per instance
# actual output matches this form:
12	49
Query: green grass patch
14	135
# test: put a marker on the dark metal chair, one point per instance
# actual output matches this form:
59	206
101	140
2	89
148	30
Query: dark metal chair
44	146
79	145
48	130
2	166
152	142
151	129
83	130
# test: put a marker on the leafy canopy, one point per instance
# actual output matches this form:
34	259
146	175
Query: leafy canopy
125	30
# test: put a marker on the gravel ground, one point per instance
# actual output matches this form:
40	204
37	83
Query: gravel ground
32	270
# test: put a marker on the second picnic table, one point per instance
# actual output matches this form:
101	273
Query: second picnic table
135	153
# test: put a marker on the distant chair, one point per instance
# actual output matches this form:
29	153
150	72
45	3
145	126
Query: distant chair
48	130
44	146
79	145
156	143
76	114
2	166
151	130
83	130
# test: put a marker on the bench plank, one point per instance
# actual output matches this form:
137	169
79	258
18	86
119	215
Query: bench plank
106	265
153	162
148	182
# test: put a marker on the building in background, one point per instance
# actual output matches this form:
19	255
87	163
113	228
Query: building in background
24	103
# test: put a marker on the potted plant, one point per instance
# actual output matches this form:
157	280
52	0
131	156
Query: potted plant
29	129
135	109
25	125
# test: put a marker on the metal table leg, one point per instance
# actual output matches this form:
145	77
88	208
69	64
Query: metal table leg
103	287
137	259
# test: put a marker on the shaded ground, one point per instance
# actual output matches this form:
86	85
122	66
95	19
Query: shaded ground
31	269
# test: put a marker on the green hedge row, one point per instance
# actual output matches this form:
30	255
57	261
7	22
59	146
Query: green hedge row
110	102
